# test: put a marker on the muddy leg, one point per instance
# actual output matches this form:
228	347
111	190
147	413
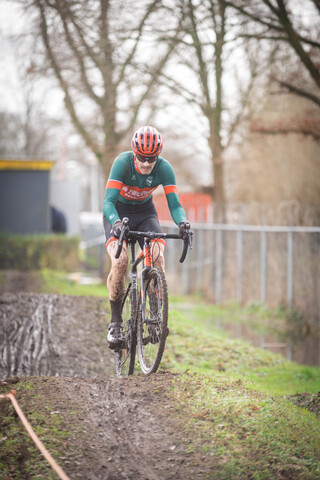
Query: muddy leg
158	255
116	277
116	286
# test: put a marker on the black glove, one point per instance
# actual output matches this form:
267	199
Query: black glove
183	227
116	229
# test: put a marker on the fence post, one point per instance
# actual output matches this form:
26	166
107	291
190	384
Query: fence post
239	266
200	262
290	269
218	266
290	283
263	269
319	296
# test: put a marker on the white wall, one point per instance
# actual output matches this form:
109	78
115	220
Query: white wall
65	195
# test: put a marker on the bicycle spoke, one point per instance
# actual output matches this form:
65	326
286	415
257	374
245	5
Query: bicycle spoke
125	355
152	325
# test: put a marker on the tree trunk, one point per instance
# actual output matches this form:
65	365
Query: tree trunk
218	175
110	151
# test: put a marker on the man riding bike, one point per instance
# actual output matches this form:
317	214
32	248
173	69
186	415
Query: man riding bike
133	178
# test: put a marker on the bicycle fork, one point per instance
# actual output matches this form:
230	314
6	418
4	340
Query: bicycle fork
146	256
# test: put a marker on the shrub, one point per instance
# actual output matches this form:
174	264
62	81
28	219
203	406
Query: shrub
33	252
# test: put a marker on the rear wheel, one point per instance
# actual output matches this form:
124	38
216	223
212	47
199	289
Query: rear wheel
152	324
125	355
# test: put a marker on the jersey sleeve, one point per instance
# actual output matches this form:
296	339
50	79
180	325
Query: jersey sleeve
113	187
168	180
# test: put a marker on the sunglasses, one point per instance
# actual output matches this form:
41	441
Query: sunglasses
147	159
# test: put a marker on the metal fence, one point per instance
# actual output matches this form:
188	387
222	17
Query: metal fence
245	262
278	266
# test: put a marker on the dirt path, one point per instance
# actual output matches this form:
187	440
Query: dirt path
119	428
127	427
43	334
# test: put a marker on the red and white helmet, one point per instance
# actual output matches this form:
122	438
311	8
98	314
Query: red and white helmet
147	142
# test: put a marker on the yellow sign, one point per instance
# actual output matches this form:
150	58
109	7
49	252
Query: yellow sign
26	164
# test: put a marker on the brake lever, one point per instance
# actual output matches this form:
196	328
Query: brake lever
124	230
189	236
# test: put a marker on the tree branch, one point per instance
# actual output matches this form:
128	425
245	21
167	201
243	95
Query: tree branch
270	24
295	42
129	58
203	73
255	18
179	89
68	101
153	79
300	92
65	15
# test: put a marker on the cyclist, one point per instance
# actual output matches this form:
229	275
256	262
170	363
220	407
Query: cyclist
133	178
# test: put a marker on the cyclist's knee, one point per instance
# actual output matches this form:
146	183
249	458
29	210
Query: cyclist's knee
160	263
118	264
158	256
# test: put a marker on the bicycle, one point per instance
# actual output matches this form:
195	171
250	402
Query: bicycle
144	311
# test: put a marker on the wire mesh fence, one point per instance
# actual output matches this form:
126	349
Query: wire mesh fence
277	266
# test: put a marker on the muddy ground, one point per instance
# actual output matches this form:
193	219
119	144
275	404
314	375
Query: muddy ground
129	428
121	428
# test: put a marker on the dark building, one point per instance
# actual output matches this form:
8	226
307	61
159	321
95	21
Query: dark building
24	196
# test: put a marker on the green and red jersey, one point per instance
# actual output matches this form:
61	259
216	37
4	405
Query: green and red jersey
128	185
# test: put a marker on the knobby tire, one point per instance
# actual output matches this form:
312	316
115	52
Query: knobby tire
125	356
152	322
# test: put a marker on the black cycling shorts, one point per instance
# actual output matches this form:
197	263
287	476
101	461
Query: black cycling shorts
142	218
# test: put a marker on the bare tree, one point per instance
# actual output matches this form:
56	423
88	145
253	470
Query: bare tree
104	56
286	21
208	39
27	131
11	141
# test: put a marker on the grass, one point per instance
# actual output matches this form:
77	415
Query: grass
195	342
62	283
19	457
238	405
238	433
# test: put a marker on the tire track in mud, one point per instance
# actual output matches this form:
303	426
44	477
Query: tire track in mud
26	342
128	430
43	334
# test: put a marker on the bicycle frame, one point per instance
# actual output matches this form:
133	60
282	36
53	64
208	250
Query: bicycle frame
146	257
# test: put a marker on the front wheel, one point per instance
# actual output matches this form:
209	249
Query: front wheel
125	355
152	328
